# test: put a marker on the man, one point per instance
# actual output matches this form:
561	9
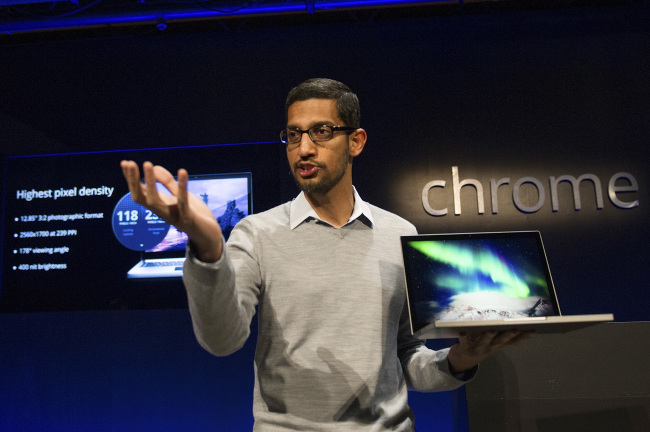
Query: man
334	350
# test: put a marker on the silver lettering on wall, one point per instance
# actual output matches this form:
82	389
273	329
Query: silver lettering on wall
469	182
517	198
425	198
575	183
631	185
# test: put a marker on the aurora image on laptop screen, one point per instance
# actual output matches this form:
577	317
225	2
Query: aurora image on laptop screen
477	277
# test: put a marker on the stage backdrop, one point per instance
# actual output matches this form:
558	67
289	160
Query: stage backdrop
529	120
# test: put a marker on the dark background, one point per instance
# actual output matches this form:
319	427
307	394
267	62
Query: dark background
97	262
497	91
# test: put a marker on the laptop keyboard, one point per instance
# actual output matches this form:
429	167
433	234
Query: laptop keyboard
163	264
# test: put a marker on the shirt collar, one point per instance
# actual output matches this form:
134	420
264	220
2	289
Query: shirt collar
301	210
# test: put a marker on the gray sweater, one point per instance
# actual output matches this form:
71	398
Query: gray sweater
334	350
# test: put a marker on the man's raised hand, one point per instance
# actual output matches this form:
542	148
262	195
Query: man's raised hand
181	209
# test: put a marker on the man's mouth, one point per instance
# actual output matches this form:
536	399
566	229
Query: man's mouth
306	170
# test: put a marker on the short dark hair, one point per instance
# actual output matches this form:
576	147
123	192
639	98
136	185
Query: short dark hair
347	103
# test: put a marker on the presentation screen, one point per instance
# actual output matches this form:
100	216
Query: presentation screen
73	239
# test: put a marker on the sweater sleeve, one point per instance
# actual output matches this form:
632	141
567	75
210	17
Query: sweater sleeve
222	296
425	369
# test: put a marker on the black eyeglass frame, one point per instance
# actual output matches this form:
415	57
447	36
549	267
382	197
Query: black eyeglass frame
284	133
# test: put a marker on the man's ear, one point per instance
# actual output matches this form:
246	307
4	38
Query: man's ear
357	142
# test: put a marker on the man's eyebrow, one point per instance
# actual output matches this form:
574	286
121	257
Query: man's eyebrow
316	123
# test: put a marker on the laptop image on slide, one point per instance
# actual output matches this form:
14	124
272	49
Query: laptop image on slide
474	282
229	197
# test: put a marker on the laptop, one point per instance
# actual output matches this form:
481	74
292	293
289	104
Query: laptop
475	282
229	197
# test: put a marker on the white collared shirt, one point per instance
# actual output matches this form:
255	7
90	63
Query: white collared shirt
301	210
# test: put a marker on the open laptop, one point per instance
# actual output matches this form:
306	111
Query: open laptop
229	197
476	282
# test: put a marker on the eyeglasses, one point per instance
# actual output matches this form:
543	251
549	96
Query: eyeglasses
317	134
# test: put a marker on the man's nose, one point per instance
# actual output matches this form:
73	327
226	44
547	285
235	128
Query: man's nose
306	146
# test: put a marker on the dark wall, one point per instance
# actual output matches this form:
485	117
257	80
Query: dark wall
568	390
534	94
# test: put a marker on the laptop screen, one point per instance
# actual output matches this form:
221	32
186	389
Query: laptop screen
477	276
228	196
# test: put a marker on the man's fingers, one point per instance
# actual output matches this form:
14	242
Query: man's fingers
521	337
181	192
165	178
511	337
483	339
504	337
475	347
147	194
150	184
494	339
131	173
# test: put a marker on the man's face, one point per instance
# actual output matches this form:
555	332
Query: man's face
317	167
